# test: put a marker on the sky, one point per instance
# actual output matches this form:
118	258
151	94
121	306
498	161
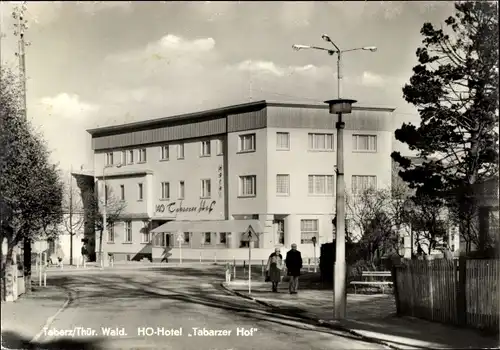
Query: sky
92	64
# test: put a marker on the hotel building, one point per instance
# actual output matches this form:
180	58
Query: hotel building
267	161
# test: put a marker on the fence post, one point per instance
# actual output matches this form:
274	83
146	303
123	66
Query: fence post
262	264
461	288
234	268
309	265
395	289
200	257
430	269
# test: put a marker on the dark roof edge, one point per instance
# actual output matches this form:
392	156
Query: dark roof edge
221	110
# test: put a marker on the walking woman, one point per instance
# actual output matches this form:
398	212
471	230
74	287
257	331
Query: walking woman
273	269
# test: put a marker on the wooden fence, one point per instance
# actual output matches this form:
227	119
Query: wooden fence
460	292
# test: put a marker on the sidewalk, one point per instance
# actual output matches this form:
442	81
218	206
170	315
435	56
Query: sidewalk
369	316
25	317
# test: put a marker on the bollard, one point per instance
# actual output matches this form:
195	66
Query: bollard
45	278
215	257
200	257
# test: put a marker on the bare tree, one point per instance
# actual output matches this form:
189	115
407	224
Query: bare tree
114	210
73	218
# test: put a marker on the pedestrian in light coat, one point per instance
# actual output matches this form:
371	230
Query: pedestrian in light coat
293	264
274	268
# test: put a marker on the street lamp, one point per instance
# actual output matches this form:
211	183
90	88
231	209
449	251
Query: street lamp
339	107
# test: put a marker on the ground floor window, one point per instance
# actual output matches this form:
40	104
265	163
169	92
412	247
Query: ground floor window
207	238
223	237
187	237
159	240
309	228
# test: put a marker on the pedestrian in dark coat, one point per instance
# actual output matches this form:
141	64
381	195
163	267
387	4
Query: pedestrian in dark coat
293	263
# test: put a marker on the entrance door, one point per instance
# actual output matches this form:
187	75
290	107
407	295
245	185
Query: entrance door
280	231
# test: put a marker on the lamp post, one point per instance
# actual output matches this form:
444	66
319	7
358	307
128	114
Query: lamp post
339	107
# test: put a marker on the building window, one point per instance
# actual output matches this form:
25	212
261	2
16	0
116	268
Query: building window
142	155
220	147
208	237
123	159
130	156
111	233
283	184
146	237
223	237
106	193
181	190
180	151
122	192
320	184
205	148
364	143
321	142
141	192
159	239
205	188
248	186
128	231
165	190
361	183
247	143
165	152
187	236
109	159
308	230
282	141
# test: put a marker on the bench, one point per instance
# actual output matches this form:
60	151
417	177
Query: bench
365	274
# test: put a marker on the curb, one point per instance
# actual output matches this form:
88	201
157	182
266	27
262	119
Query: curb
51	319
318	321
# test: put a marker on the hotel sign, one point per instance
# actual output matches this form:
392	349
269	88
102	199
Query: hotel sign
178	207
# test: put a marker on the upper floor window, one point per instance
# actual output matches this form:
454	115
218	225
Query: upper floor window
122	192
282	140
109	158
364	143
248	186
180	151
111	233
128	231
282	184
141	192
205	148
320	142
165	190
360	183
247	143
181	189
142	155
130	159
220	147
205	188
320	184
165	152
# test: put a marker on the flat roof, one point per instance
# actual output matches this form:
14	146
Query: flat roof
239	108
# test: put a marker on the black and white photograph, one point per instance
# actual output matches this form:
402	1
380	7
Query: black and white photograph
240	175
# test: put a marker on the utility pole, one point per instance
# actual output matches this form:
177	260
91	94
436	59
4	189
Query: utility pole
21	27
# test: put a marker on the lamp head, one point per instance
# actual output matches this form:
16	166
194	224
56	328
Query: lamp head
299	47
370	48
326	38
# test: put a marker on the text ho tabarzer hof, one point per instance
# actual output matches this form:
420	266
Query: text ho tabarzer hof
195	332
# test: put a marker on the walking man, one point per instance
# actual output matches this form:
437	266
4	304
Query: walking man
293	265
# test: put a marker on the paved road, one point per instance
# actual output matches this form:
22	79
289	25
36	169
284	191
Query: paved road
147	308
